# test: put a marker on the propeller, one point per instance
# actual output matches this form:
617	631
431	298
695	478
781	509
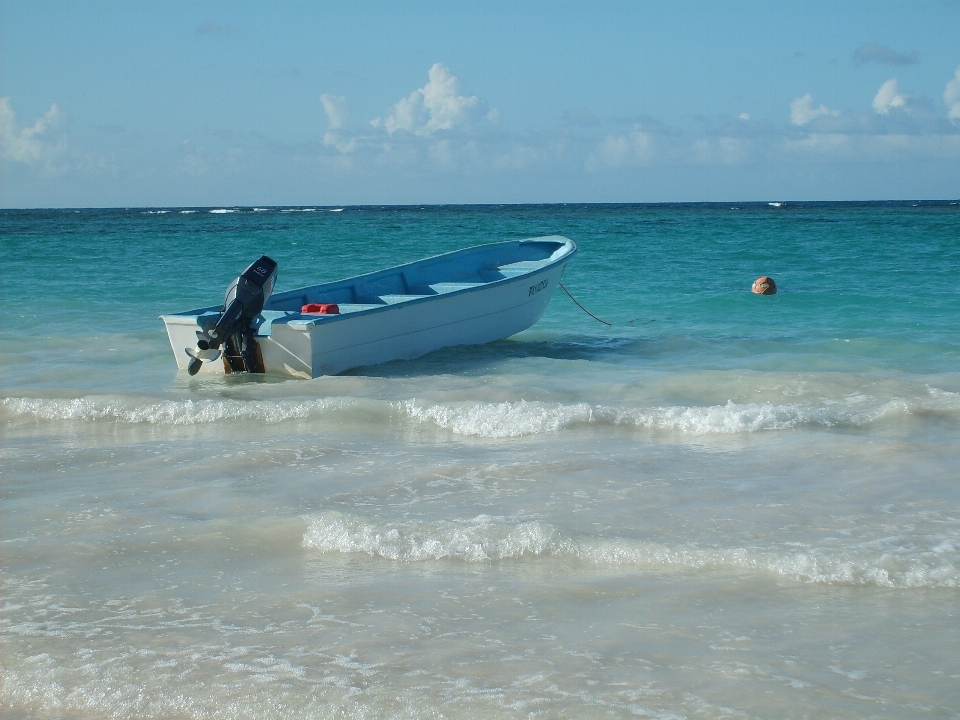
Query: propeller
201	354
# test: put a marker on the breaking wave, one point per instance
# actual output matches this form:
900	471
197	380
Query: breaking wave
886	563
513	419
500	420
476	419
170	412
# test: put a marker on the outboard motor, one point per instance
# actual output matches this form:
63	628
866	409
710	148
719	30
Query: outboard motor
233	329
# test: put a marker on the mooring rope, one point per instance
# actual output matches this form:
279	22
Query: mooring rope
583	308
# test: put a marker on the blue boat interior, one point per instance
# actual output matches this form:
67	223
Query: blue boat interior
453	272
461	270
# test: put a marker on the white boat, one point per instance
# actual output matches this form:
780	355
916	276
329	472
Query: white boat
467	297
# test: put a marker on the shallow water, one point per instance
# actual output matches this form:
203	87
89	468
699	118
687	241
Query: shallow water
722	506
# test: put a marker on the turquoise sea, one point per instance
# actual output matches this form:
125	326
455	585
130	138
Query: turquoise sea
721	506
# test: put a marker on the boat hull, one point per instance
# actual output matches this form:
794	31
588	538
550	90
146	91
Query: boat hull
309	346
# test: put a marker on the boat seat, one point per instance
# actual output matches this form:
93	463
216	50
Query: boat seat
394	299
354	307
519	268
264	322
525	264
448	287
491	275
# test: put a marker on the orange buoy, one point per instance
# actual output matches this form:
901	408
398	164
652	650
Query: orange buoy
764	286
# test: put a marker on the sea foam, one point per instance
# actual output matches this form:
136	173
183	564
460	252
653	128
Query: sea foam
477	419
514	419
169	412
893	563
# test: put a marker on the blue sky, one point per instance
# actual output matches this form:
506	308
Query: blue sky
329	103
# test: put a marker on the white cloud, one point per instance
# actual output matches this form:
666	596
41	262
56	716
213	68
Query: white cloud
433	128
951	96
723	150
880	147
435	106
337	110
439	131
445	106
408	114
852	137
41	142
634	148
803	112
888	97
523	156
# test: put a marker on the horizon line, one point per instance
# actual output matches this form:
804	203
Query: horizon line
295	206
